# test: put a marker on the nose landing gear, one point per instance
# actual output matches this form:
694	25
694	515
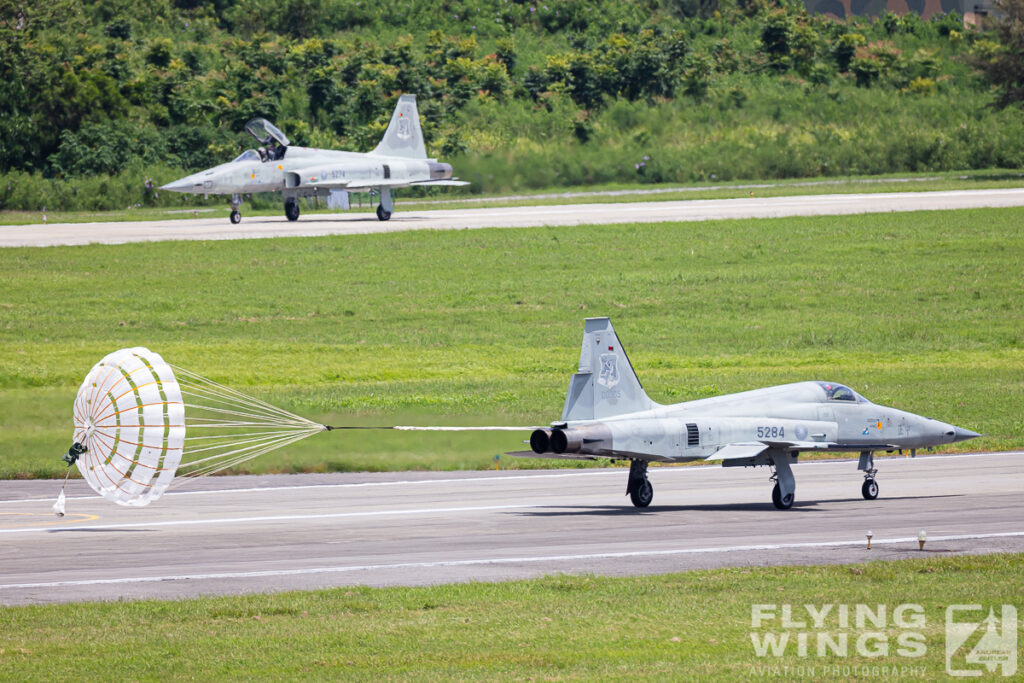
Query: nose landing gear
236	201
869	489
291	208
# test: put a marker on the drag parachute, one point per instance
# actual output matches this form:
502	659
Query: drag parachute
141	421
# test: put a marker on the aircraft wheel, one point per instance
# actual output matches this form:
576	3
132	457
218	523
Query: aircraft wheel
382	215
870	489
643	494
780	502
291	210
236	217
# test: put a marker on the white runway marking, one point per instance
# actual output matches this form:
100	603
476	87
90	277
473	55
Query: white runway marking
266	518
494	560
546	475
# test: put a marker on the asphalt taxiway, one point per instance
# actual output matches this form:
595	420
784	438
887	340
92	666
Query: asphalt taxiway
217	227
232	535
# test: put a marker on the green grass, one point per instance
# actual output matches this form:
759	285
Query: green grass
269	204
693	625
921	311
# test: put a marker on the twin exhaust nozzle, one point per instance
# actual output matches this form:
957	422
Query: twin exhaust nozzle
556	441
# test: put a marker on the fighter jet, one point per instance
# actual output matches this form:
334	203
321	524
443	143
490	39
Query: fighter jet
400	160
607	414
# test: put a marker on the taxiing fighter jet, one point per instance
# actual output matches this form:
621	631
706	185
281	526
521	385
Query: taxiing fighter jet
608	415
400	160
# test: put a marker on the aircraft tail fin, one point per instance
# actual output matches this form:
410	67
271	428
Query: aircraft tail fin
605	384
404	137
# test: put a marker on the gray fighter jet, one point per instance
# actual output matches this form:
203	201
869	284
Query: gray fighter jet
607	414
400	160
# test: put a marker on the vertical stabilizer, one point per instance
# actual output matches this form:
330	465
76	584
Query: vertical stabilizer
605	384
403	138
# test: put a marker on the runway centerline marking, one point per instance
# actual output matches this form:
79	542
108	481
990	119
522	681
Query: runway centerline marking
496	560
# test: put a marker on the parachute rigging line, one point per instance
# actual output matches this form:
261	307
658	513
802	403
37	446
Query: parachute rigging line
143	426
140	422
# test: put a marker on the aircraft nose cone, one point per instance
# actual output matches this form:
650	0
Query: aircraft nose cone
183	185
961	434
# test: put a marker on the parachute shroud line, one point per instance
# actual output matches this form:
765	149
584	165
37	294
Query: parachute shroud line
168	424
142	421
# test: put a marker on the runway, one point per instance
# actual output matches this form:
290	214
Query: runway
233	535
219	228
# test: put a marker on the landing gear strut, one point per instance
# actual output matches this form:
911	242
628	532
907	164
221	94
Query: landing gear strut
291	208
784	491
236	201
386	206
639	487
869	489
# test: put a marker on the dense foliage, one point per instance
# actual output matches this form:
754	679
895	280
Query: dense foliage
518	94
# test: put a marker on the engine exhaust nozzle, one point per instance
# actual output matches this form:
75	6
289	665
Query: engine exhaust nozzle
566	440
540	441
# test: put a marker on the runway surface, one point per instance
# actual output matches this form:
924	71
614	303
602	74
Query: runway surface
218	228
274	533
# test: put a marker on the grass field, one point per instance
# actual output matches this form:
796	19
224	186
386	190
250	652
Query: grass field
693	626
269	204
921	311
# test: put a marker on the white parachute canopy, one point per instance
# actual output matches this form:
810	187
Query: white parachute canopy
143	420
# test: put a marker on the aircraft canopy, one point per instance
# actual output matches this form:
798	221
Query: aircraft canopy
838	392
248	155
266	132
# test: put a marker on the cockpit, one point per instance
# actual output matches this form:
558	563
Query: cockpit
839	392
273	143
248	155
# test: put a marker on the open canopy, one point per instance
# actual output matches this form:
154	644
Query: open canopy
266	132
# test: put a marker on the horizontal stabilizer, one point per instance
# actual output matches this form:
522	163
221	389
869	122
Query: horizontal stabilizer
416	428
552	456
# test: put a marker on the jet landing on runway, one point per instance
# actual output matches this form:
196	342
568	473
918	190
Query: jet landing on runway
607	414
400	160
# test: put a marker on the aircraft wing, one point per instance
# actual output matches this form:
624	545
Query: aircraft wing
739	451
358	185
453	182
736	451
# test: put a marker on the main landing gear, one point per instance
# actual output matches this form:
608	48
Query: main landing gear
386	206
639	487
784	491
291	208
869	489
